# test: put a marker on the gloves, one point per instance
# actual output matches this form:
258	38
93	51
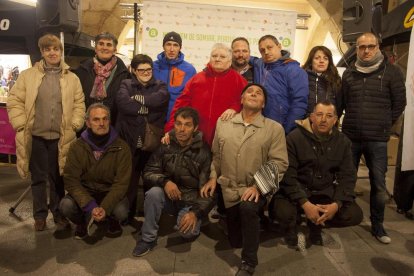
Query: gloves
139	98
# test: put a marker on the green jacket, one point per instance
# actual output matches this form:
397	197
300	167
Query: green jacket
84	176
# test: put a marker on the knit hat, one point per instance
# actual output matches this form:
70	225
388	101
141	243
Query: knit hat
258	85
172	36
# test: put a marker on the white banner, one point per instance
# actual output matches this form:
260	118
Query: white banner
408	140
200	26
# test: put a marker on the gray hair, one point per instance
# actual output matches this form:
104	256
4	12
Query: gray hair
108	36
226	48
96	106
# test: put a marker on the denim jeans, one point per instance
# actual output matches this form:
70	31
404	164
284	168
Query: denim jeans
44	168
375	154
74	213
154	204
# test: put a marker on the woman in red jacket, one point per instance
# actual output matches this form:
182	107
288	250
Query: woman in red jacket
214	92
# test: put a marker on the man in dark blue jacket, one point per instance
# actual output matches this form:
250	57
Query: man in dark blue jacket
174	175
171	68
285	82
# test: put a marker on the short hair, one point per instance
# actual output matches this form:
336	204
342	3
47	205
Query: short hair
368	34
106	35
218	46
240	38
140	59
271	37
325	103
187	112
258	85
96	106
49	40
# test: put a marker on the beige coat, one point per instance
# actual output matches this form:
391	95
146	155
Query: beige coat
21	111
239	151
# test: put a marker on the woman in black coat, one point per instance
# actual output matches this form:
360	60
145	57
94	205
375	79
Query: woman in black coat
140	100
324	80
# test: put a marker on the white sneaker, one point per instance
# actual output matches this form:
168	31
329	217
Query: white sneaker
383	239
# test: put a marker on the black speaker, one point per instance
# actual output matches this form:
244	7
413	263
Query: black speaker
58	14
361	16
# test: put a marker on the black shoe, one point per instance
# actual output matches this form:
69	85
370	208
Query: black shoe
62	224
245	269
81	231
316	238
114	228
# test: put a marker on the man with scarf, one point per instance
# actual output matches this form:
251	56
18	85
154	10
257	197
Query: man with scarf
96	175
374	98
101	75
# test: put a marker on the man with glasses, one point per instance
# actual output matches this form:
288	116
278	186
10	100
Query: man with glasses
171	68
320	179
374	98
141	100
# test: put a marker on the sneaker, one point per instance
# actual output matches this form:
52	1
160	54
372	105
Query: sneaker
62	224
81	231
114	228
245	270
383	239
143	248
379	233
40	224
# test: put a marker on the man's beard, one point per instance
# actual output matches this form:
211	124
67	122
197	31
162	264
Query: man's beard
236	63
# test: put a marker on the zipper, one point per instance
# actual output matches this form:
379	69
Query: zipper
316	90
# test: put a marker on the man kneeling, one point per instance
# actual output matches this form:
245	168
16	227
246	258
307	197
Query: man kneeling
96	175
174	176
320	179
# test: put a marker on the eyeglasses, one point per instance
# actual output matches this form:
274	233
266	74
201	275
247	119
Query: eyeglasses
142	71
364	47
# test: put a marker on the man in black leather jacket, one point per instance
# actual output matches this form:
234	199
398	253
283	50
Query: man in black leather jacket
174	176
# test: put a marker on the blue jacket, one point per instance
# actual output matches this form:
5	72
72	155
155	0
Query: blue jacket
175	73
287	88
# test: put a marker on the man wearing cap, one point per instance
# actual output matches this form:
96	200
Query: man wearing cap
243	147
171	68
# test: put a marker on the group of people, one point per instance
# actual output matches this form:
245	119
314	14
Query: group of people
264	129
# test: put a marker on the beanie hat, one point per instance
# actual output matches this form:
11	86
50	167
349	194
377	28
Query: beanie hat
172	36
258	85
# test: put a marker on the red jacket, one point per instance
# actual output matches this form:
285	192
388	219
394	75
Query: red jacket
210	93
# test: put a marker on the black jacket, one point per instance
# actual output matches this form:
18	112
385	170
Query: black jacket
318	167
320	89
87	75
129	123
372	102
188	167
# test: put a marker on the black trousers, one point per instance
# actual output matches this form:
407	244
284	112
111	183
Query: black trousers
44	168
288	212
243	224
139	160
